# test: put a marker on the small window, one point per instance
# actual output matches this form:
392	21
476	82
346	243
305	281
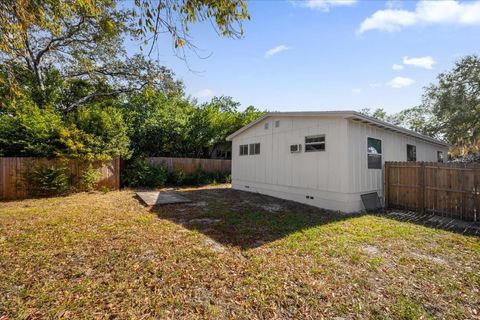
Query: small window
315	143
411	153
439	156
244	149
277	123
374	153
255	148
266	126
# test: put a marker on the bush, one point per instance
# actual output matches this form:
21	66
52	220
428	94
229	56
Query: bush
198	177
89	178
140	173
177	177
47	180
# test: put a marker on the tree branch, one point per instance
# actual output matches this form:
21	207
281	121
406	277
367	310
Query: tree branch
82	100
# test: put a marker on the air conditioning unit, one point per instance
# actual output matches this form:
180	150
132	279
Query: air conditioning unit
295	148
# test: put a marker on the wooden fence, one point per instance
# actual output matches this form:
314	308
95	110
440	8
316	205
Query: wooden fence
444	189
13	183
189	165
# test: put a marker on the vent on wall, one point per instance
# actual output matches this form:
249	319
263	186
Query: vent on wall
295	148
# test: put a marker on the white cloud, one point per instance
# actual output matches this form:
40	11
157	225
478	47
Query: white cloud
204	94
325	5
426	12
375	85
400	82
356	91
276	50
422	62
394	4
397	67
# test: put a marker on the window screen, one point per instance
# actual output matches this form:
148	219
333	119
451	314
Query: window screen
266	126
243	149
439	156
374	153
411	153
255	148
315	143
277	123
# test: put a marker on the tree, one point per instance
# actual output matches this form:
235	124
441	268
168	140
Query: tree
454	102
173	126
83	39
158	124
417	119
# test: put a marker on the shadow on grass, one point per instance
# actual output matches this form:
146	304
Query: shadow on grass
244	219
434	221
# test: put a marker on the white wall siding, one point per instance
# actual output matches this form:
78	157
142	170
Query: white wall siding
307	172
332	179
394	148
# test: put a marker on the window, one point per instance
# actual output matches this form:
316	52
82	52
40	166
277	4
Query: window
315	143
266	126
411	153
255	148
439	156
243	149
374	153
277	123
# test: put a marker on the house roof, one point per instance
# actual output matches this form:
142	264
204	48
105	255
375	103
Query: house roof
350	115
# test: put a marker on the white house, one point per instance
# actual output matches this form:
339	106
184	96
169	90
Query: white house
326	159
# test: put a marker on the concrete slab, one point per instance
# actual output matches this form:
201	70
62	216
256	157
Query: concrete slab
154	198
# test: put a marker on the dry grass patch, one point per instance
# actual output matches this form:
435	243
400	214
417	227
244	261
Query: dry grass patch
227	254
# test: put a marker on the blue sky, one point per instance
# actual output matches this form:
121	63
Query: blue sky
330	55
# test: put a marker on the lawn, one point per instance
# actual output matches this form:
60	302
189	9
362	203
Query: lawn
228	254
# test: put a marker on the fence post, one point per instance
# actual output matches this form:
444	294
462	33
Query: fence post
422	188
386	182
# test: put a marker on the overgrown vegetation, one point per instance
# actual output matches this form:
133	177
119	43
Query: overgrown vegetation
47	180
141	173
227	255
68	87
89	178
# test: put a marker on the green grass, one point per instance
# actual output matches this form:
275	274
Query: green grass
105	255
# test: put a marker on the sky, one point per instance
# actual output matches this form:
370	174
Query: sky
329	55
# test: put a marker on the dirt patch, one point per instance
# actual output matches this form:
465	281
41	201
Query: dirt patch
370	250
429	258
272	207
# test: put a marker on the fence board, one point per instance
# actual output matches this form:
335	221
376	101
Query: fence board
189	165
12	179
446	189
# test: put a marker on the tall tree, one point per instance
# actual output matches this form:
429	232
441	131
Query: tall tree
84	40
454	102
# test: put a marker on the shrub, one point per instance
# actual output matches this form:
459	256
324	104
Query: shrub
177	177
89	178
47	180
199	176
140	173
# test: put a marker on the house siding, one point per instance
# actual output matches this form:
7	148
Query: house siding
331	179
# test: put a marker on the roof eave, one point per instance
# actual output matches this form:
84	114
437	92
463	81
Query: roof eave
351	115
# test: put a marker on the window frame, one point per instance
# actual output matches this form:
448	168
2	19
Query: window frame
375	154
240	150
439	152
320	143
277	123
266	125
414	152
252	148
